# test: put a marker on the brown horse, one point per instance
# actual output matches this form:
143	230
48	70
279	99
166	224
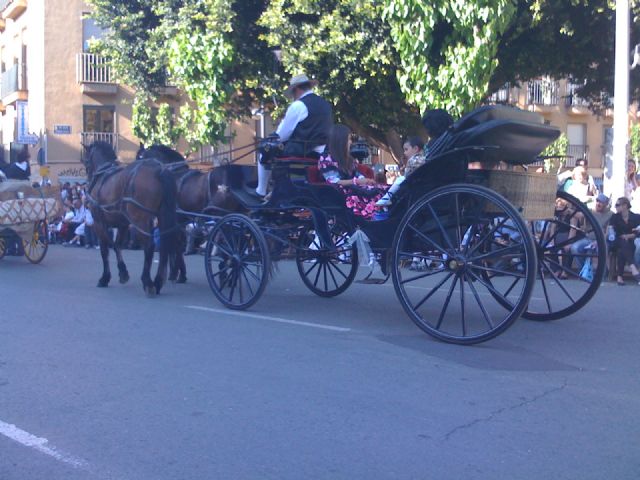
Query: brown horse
198	193
134	195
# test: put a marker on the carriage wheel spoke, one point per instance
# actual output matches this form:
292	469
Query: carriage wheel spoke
565	269
559	282
544	287
445	306
485	314
496	253
337	270
497	270
433	290
328	267
464	323
315	264
422	275
456	207
487	235
506	294
428	240
244	274
443	232
490	287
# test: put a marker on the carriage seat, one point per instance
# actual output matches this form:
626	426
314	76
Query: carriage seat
314	175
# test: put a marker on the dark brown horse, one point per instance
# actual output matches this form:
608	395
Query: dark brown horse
198	193
135	195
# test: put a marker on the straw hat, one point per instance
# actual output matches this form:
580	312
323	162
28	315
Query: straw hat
298	80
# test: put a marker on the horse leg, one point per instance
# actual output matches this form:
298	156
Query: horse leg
179	267
104	252
123	273
161	275
147	283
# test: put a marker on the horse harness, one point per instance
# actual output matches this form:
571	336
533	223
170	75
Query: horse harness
107	171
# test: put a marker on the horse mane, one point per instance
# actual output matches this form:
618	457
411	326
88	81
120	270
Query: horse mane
161	153
104	149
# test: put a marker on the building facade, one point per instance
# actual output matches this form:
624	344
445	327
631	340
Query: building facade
56	95
590	136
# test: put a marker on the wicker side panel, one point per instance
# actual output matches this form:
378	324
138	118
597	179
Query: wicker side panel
533	194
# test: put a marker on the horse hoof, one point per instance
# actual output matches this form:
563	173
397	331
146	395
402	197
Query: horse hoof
151	291
124	278
182	280
173	279
102	284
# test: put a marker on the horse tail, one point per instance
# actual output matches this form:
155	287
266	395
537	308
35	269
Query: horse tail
167	216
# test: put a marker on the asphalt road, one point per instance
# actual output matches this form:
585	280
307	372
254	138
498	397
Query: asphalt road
107	384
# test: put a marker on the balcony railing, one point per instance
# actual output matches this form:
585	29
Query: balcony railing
543	92
575	153
92	68
503	95
573	100
87	138
14	80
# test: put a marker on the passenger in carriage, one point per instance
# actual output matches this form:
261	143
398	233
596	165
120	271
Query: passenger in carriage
304	128
20	169
339	168
436	122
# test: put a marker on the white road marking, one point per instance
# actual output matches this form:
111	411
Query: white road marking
271	319
40	444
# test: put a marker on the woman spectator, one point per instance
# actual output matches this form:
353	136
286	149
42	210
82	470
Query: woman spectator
625	224
339	168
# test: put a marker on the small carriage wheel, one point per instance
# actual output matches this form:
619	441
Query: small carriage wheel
237	261
3	247
325	272
563	284
443	245
36	247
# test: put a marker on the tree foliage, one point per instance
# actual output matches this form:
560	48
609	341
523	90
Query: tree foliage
380	62
555	154
154	125
447	49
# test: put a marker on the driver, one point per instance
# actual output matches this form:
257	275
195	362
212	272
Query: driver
304	128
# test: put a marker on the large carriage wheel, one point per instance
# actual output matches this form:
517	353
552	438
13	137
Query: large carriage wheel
36	247
326	272
237	261
565	243
443	246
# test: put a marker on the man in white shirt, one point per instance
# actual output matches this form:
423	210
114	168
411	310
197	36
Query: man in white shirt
304	128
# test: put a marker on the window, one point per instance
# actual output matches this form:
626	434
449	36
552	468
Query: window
98	118
90	31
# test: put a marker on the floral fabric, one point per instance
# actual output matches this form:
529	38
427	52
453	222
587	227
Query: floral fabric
362	206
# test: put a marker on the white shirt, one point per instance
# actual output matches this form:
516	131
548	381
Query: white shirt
296	113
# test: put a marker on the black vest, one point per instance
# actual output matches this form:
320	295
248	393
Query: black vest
313	131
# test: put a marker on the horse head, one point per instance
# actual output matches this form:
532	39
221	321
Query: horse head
98	155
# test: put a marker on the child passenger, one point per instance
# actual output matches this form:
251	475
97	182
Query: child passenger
436	122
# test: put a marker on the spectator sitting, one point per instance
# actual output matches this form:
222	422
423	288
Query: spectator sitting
580	186
603	216
79	212
625	224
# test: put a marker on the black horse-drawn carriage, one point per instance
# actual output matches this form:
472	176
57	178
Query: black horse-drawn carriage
465	260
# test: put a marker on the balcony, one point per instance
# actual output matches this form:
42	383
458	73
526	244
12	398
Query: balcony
12	8
14	84
575	153
93	73
87	138
543	95
505	95
575	104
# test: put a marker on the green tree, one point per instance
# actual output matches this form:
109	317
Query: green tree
448	50
154	126
346	45
555	154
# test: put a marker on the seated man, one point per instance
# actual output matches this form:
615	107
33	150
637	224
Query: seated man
603	215
304	128
20	169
